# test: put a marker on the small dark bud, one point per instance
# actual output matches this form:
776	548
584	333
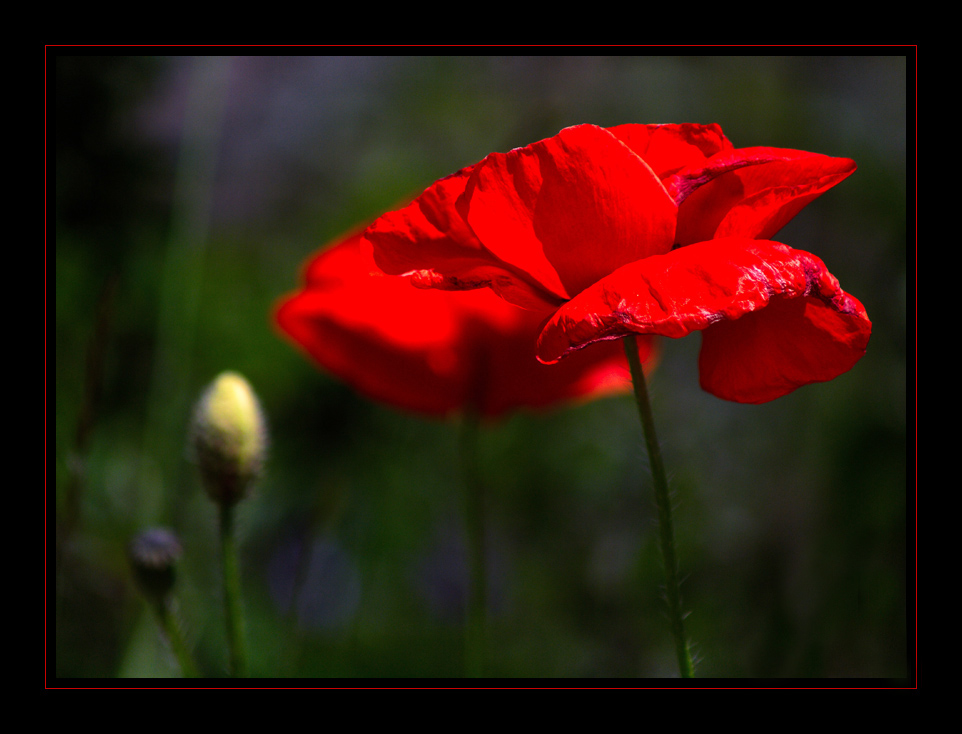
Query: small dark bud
153	555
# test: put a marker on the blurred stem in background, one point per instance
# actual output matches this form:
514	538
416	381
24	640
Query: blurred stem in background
476	610
70	514
181	276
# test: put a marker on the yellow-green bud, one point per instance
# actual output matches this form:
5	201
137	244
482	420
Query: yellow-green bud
229	438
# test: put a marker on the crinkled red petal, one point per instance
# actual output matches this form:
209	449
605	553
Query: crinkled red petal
750	192
569	209
432	352
430	242
792	323
431	223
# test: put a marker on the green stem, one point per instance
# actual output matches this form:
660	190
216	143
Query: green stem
169	624
232	594
475	621
663	503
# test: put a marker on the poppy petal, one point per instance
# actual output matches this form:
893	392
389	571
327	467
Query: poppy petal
434	352
569	209
361	328
734	288
751	192
790	343
430	242
670	147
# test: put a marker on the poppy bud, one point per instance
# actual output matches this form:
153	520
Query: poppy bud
153	554
229	438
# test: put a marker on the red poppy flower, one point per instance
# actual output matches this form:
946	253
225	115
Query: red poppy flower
431	351
643	229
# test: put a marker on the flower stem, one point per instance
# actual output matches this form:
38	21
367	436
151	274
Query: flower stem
663	503
167	618
475	622
232	594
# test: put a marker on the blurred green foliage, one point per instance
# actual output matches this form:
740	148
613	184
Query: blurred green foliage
190	190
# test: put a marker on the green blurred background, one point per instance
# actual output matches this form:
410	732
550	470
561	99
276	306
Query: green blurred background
190	190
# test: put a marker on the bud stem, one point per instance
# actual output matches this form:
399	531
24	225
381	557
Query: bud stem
232	594
167	620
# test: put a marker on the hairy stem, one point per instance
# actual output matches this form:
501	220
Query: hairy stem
663	504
